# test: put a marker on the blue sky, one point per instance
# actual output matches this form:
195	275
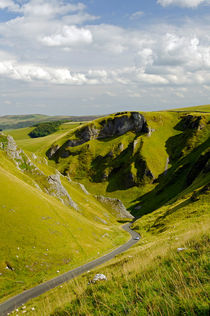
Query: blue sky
97	56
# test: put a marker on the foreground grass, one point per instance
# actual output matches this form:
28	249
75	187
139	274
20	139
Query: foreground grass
155	277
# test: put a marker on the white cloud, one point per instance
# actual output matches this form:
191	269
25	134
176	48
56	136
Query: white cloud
136	15
68	36
9	4
57	48
49	8
183	3
29	72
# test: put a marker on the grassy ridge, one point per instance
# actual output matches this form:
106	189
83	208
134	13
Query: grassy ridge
200	108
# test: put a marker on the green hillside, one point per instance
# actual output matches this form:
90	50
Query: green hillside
158	164
132	164
166	273
42	229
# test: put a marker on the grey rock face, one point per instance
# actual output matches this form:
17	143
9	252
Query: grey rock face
88	132
120	125
83	188
52	151
22	161
11	149
57	189
116	205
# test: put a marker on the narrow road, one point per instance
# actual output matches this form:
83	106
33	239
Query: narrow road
22	298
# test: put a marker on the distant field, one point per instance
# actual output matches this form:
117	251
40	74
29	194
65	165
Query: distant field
199	108
40	144
21	121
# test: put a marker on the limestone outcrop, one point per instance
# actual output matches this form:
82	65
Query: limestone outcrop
116	206
56	189
122	123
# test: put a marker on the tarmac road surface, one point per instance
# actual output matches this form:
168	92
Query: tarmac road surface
22	298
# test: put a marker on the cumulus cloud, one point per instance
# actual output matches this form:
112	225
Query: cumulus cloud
57	48
30	72
183	3
9	4
68	36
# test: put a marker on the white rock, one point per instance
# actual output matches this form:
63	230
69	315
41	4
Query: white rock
83	188
99	277
181	249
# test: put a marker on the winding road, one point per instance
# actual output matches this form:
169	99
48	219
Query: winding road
18	300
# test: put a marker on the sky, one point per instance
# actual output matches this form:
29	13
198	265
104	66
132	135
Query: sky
103	56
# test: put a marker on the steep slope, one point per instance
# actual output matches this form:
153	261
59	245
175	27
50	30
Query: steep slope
48	222
105	151
131	162
189	157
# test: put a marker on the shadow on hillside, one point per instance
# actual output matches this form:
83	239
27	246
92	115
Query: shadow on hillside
114	169
180	176
176	144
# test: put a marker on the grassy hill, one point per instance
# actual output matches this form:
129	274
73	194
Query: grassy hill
130	165
199	108
166	273
41	229
161	171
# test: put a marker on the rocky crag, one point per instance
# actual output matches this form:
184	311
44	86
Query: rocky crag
116	125
115	205
121	163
